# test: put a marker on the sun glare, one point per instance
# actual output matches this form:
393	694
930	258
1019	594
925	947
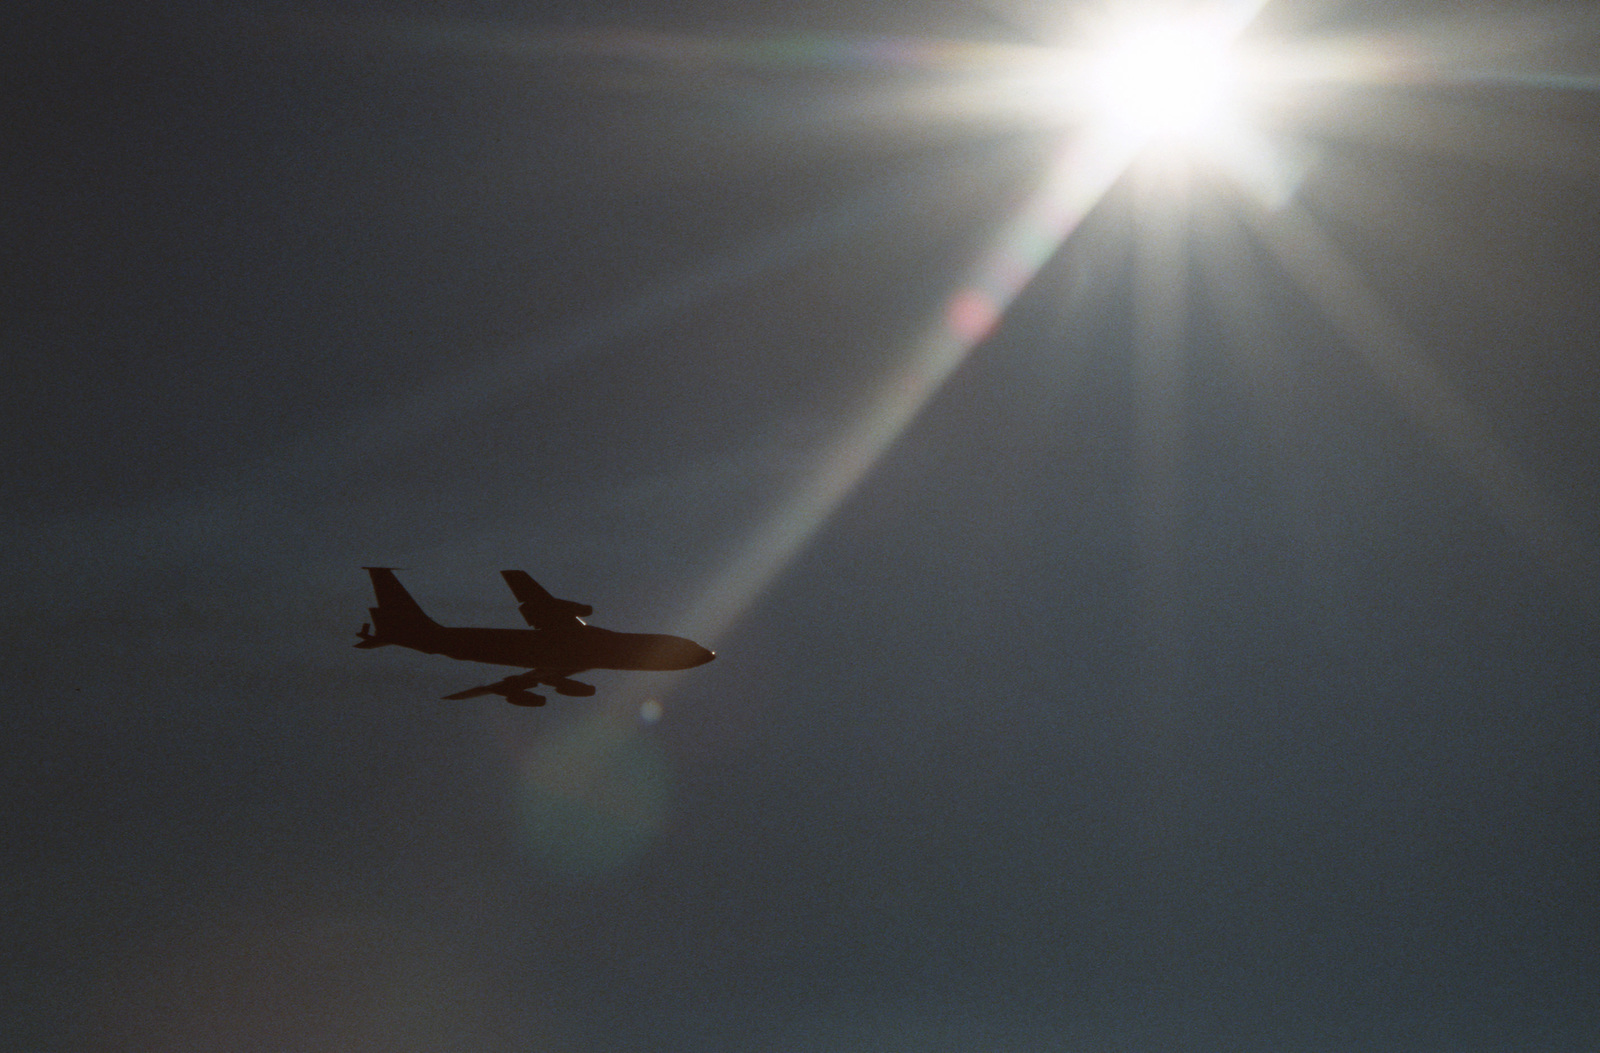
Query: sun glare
1162	81
1184	82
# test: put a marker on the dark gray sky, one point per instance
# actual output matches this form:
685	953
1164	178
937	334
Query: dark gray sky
1208	662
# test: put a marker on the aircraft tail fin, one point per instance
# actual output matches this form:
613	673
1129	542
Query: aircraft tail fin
397	616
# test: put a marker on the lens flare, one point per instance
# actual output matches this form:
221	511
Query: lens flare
593	794
1185	75
1167	81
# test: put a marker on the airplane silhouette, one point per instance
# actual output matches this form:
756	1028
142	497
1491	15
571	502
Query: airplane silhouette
558	645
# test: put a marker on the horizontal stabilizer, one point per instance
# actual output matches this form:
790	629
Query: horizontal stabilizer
367	637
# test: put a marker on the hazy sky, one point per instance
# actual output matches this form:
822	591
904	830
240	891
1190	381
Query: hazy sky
1155	607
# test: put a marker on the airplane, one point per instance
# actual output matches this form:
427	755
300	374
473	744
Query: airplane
558	645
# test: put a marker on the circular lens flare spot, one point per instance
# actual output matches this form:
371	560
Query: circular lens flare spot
593	794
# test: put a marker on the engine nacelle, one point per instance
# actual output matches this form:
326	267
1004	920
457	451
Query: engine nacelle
571	688
524	698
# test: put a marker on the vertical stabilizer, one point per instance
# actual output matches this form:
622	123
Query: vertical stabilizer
397	616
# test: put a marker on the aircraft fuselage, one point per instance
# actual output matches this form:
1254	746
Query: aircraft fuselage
580	647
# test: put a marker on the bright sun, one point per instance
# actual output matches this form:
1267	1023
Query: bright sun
1164	82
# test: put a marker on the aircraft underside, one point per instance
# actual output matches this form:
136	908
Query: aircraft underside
514	689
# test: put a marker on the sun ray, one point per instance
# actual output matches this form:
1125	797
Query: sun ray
1160	315
1077	179
1403	370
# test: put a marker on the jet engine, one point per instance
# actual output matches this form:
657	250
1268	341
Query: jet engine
571	688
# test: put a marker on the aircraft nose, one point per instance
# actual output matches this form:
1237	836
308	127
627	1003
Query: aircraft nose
704	656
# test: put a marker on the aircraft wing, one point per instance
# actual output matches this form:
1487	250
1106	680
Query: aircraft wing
540	609
516	689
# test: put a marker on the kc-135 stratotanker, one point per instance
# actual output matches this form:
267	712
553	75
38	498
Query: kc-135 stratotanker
558	645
